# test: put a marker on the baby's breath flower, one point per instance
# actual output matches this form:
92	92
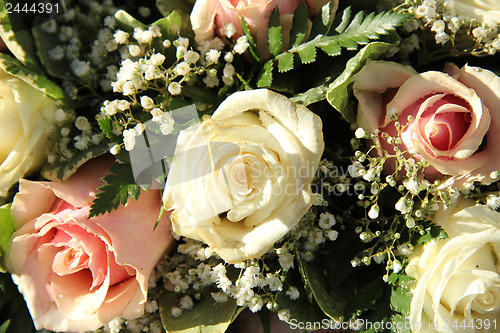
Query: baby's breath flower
241	45
174	88
191	57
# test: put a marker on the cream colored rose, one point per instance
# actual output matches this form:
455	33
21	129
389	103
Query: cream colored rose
242	179
458	278
26	123
484	11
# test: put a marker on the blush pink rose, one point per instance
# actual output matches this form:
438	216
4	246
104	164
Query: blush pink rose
455	116
77	274
208	17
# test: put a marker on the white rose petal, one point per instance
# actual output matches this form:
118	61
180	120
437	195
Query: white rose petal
264	151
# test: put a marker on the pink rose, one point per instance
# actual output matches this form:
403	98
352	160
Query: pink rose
209	16
77	274
455	115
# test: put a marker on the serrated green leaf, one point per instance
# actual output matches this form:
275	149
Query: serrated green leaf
252	48
285	62
274	37
332	49
307	54
206	316
120	185
338	93
34	79
322	21
299	25
63	169
106	127
432	232
402	323
346	16
6	227
400	300
266	76
348	43
16	36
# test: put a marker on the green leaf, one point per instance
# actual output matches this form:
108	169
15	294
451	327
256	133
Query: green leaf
400	300
5	326
6	227
252	48
206	316
127	22
120	185
346	16
266	76
301	309
307	54
168	6
338	94
63	169
17	37
402	323
274	36
299	25
106	127
175	24
285	62
322	21
201	95
332	49
34	79
313	278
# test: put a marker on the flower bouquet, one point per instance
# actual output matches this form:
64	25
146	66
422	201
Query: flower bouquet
249	166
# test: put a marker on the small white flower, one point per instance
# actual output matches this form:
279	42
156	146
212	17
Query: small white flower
129	139
82	124
228	70
57	53
180	51
284	314
167	43
241	45
293	293
396	266
139	129
176	312
374	212
157	59
410	222
332	234
186	303
229	57
182	68
493	201
228	30
151	306
120	37
191	57
134	50
174	88
360	133
115	149
219	297
286	260
111	45
80	68
147	102
326	220
212	56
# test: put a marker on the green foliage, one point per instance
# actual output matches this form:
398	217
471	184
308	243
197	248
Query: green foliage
349	34
63	169
302	309
120	185
206	316
252	48
432	231
34	79
274	35
16	35
338	93
6	227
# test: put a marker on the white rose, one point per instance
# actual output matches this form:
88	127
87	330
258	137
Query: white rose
26	123
242	179
458	278
482	10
